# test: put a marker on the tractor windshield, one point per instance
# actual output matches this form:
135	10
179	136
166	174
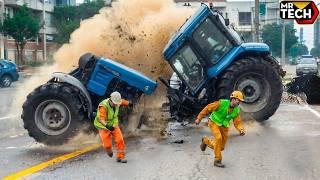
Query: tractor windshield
213	43
187	65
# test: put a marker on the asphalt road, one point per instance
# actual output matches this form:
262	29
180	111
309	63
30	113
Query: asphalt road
284	147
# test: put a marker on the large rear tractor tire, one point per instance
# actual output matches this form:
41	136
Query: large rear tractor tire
260	84
52	113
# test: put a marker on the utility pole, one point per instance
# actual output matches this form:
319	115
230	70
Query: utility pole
256	20
266	14
283	43
1	35
44	32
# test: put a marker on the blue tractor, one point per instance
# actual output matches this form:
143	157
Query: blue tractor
209	59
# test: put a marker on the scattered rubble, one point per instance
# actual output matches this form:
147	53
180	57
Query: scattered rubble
299	98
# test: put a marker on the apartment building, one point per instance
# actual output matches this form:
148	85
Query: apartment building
240	12
36	49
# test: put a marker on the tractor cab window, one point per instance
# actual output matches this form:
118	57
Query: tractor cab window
188	66
213	43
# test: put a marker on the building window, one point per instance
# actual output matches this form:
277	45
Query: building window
8	11
244	18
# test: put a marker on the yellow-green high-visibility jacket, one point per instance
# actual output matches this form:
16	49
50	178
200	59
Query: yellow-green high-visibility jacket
112	115
221	116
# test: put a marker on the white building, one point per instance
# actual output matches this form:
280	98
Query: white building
240	13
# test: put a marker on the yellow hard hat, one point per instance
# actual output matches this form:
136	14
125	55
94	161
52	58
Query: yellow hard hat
238	95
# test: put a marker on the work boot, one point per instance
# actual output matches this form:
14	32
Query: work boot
110	153
218	164
203	146
119	160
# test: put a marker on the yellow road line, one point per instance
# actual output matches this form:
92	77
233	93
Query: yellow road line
36	168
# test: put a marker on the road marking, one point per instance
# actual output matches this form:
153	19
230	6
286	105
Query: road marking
11	147
7	117
36	168
312	110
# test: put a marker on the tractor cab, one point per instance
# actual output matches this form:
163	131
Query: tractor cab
198	45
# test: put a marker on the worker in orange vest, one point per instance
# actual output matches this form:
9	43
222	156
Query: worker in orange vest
222	112
107	123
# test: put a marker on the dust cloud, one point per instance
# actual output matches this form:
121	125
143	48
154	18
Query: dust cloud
131	32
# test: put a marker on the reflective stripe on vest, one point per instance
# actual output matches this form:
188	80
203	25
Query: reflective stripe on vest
112	119
221	116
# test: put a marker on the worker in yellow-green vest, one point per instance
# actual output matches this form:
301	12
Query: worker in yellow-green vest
107	123
222	112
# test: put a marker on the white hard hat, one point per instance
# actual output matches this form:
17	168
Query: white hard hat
116	97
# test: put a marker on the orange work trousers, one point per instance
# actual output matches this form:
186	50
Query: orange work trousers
218	142
106	138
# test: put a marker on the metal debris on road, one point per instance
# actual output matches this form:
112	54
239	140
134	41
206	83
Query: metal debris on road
179	141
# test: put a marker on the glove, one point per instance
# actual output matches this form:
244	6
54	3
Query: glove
242	133
197	121
110	128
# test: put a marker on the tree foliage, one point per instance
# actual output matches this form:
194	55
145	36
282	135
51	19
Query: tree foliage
298	50
68	18
271	35
22	27
315	52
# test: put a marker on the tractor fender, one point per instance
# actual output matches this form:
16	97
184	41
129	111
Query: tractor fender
75	82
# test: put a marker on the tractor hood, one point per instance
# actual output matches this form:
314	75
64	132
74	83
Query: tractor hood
107	69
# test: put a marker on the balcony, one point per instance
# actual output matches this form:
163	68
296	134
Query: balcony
34	5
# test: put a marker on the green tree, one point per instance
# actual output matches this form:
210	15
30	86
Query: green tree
315	52
271	35
22	27
298	50
67	19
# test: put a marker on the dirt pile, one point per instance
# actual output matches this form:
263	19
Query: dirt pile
308	85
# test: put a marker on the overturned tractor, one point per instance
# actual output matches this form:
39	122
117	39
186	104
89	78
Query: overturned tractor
208	57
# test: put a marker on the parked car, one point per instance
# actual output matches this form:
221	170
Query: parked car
8	73
307	65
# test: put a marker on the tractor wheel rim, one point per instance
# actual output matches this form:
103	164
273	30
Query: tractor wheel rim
52	117
256	90
251	89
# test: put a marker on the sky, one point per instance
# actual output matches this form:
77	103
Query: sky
79	1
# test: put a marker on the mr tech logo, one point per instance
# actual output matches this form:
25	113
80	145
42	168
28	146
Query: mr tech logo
304	12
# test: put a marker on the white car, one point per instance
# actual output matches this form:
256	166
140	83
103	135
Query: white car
307	65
